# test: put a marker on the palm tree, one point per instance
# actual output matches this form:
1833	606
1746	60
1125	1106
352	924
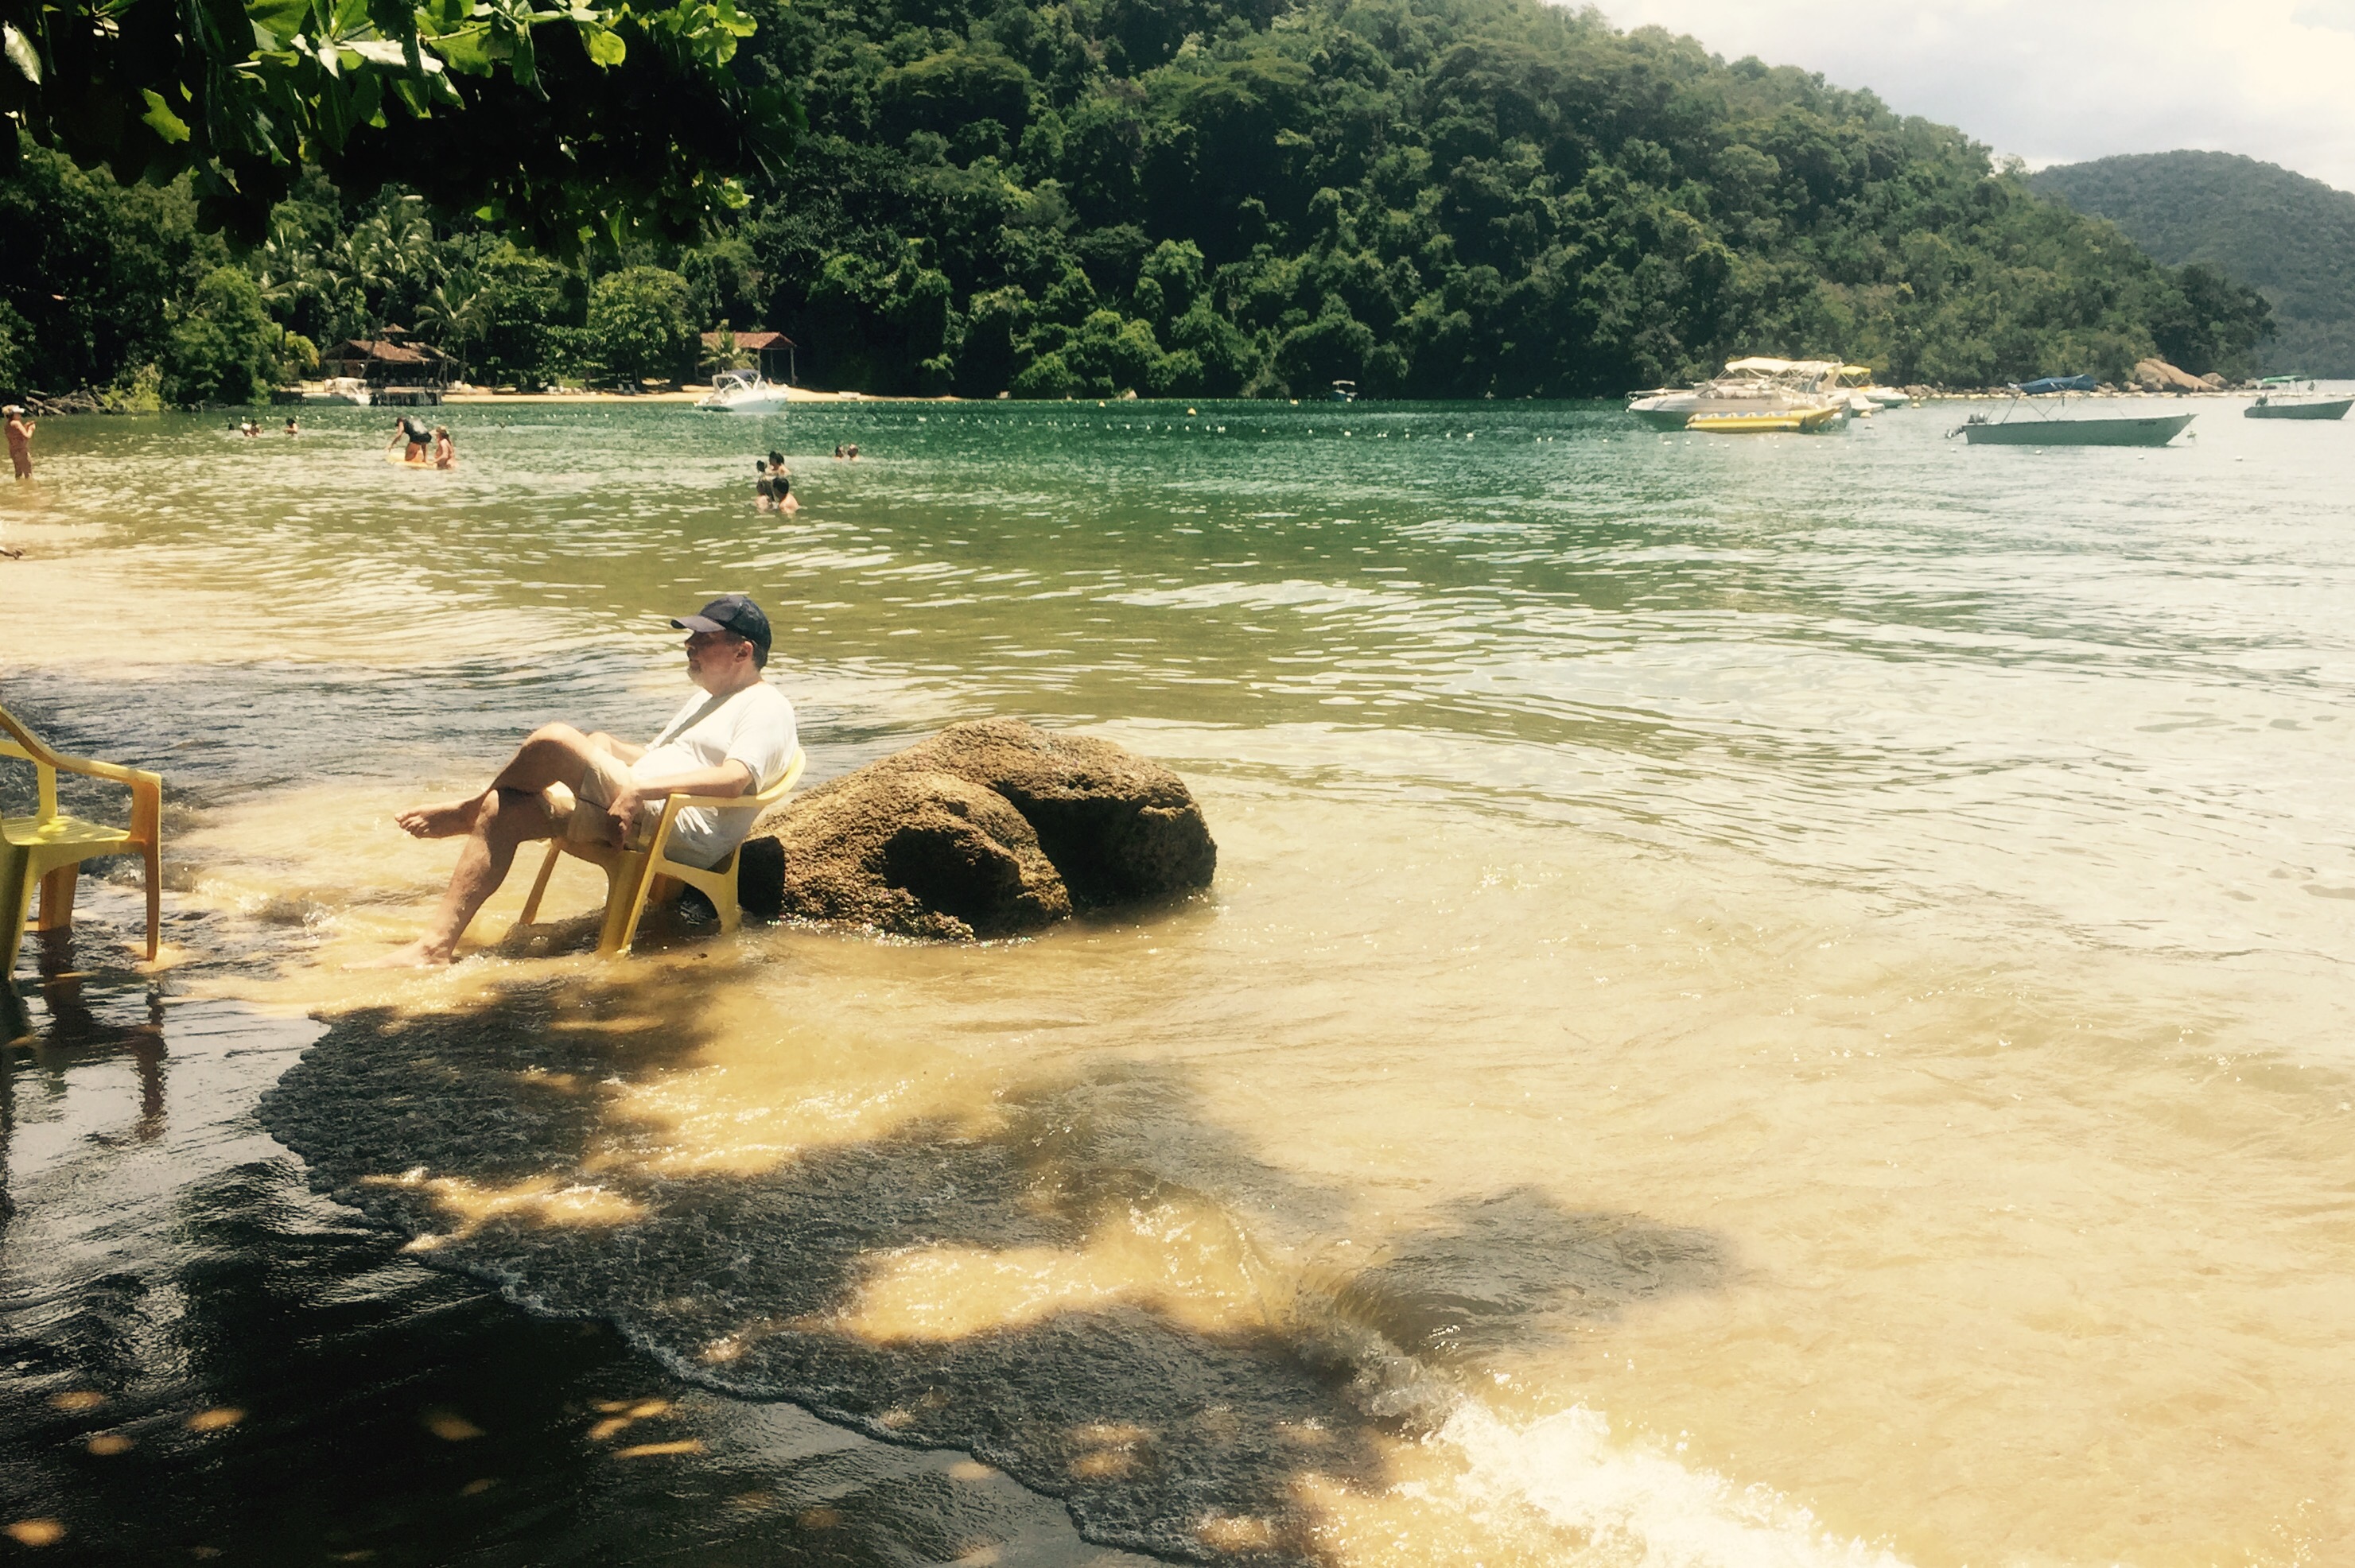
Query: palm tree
455	314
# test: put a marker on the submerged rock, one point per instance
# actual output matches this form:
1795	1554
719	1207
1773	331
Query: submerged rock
989	828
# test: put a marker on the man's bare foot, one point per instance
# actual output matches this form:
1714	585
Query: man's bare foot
416	954
451	820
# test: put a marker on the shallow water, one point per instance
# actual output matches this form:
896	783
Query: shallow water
1766	1002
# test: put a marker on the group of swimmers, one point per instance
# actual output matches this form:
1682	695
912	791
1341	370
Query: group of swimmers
846	453
424	446
251	427
773	489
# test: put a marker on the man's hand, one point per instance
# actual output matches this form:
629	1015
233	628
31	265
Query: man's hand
624	808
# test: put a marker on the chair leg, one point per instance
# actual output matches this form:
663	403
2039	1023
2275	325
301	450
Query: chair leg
625	900
154	855
57	899
540	886
723	901
15	903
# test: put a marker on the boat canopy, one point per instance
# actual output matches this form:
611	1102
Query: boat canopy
2283	380
1765	366
2057	384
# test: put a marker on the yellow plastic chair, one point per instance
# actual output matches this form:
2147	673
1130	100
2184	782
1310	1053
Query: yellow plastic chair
48	847
630	873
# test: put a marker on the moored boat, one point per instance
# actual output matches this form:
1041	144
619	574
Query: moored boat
743	392
2278	398
1752	386
2046	431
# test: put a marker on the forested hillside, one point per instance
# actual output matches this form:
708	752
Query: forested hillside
2291	238
1431	197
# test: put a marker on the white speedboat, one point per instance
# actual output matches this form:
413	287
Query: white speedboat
1749	387
348	390
743	392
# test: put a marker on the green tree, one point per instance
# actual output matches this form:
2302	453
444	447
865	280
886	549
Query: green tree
224	347
637	317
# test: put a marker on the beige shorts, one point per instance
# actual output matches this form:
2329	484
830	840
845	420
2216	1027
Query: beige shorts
581	807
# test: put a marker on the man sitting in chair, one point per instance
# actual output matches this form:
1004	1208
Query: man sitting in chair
729	740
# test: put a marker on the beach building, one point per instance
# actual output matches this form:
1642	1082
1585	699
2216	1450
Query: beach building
395	369
772	351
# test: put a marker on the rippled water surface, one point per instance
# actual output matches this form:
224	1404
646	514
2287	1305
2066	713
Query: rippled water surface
1767	1001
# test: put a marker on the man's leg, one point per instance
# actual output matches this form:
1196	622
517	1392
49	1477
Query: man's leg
503	819
554	754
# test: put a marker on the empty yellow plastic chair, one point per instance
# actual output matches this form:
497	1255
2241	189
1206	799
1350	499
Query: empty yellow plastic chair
47	848
630	873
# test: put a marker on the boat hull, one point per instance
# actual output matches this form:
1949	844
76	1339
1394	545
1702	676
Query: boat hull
2154	430
764	403
2335	409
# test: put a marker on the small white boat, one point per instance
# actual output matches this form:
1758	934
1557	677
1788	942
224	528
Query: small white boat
349	390
743	392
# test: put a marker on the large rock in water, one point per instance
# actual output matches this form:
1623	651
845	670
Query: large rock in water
989	828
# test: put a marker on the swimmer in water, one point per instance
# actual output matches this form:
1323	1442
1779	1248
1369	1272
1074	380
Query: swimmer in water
781	483
291	427
837	451
419	438
446	456
764	490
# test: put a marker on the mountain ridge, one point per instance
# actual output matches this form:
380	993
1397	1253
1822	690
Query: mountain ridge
2288	235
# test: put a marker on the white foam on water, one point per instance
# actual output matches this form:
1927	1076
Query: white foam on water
1636	1508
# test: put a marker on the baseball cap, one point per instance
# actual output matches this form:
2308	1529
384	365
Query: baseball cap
730	612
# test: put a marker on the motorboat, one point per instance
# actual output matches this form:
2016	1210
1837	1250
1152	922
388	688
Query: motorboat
1750	386
1343	392
2294	398
2047	429
1855	382
347	390
743	392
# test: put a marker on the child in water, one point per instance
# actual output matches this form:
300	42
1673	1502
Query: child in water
764	489
446	456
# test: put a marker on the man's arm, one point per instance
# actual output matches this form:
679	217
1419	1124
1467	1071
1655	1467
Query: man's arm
726	782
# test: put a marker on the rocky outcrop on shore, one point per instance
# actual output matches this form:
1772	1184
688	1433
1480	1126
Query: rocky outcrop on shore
2157	376
990	829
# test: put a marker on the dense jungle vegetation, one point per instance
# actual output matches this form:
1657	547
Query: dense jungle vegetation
1441	198
2290	237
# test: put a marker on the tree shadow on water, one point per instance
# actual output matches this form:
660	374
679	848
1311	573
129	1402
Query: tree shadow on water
1149	1422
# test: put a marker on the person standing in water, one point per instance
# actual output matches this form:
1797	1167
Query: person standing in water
20	441
445	455
764	489
291	427
420	439
781	483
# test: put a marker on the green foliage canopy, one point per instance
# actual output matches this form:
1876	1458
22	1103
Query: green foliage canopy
575	125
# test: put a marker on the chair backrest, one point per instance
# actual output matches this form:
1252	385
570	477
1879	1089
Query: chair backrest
785	780
26	747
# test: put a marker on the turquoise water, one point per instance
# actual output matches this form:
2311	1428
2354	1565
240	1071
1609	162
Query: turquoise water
1726	950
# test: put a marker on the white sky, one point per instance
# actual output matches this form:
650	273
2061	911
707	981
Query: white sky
2057	82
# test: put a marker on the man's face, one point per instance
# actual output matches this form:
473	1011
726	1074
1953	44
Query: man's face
712	655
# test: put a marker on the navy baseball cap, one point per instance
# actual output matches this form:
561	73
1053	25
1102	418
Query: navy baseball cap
732	613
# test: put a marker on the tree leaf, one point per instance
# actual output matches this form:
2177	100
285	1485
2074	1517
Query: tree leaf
21	53
160	117
605	46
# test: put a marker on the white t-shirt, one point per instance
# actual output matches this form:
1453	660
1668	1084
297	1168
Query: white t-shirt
753	726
